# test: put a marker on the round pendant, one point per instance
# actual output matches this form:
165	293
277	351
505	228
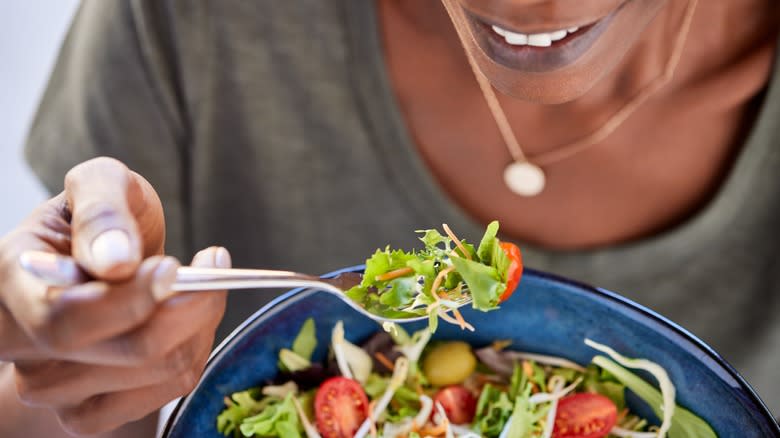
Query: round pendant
524	178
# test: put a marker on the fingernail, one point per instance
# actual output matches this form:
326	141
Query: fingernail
55	270
204	257
164	276
84	292
222	259
110	248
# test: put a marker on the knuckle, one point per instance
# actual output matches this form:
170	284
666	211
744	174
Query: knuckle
29	393
138	309
137	349
97	212
180	360
187	380
42	330
79	421
38	383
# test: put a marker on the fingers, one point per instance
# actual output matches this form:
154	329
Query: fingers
64	383
105	412
117	218
177	319
84	314
172	376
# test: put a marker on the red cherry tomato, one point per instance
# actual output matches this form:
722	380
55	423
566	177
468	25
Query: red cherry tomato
515	270
584	415
458	402
340	407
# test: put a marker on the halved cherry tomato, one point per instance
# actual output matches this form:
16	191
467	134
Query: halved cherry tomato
584	415
340	407
458	402
515	270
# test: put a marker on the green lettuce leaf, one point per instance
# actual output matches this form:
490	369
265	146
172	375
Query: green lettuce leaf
240	406
435	242
483	282
306	341
277	419
594	380
493	411
382	262
401	293
523	422
488	242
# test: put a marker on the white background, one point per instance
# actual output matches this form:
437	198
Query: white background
31	32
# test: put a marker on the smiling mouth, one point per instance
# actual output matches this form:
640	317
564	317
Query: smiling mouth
536	52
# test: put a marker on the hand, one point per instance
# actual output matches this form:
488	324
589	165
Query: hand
114	349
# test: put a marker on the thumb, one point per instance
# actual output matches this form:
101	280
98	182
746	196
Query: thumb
105	235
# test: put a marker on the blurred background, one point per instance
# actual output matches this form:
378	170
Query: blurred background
30	35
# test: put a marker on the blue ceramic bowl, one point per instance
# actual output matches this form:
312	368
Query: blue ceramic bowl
549	316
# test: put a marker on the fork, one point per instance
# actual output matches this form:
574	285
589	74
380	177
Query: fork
63	271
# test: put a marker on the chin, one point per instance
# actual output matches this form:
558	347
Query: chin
548	89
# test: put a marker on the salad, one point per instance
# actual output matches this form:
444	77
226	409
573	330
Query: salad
406	385
432	281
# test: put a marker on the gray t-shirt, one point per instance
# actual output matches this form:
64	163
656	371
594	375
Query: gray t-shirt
270	128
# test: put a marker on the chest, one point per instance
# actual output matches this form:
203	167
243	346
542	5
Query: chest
658	167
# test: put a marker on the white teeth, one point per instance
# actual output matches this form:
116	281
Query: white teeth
517	39
558	35
534	39
499	31
540	40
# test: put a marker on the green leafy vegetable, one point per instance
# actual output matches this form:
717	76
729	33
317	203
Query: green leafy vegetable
488	244
240	405
523	423
398	284
594	380
277	419
493	411
299	357
306	341
483	282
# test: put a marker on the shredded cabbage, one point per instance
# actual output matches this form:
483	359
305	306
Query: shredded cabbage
664	383
353	361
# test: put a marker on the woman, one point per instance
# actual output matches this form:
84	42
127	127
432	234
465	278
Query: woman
638	153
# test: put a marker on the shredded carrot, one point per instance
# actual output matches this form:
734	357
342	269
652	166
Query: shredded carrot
441	429
459	317
372	420
418	388
438	281
443	315
528	369
400	272
622	414
384	360
457	241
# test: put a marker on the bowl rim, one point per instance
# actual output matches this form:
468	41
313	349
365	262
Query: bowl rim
294	295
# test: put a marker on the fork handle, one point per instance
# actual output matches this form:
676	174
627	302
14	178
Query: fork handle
189	279
63	271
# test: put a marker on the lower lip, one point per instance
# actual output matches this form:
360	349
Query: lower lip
560	54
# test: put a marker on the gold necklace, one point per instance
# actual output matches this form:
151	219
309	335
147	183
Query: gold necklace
524	176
